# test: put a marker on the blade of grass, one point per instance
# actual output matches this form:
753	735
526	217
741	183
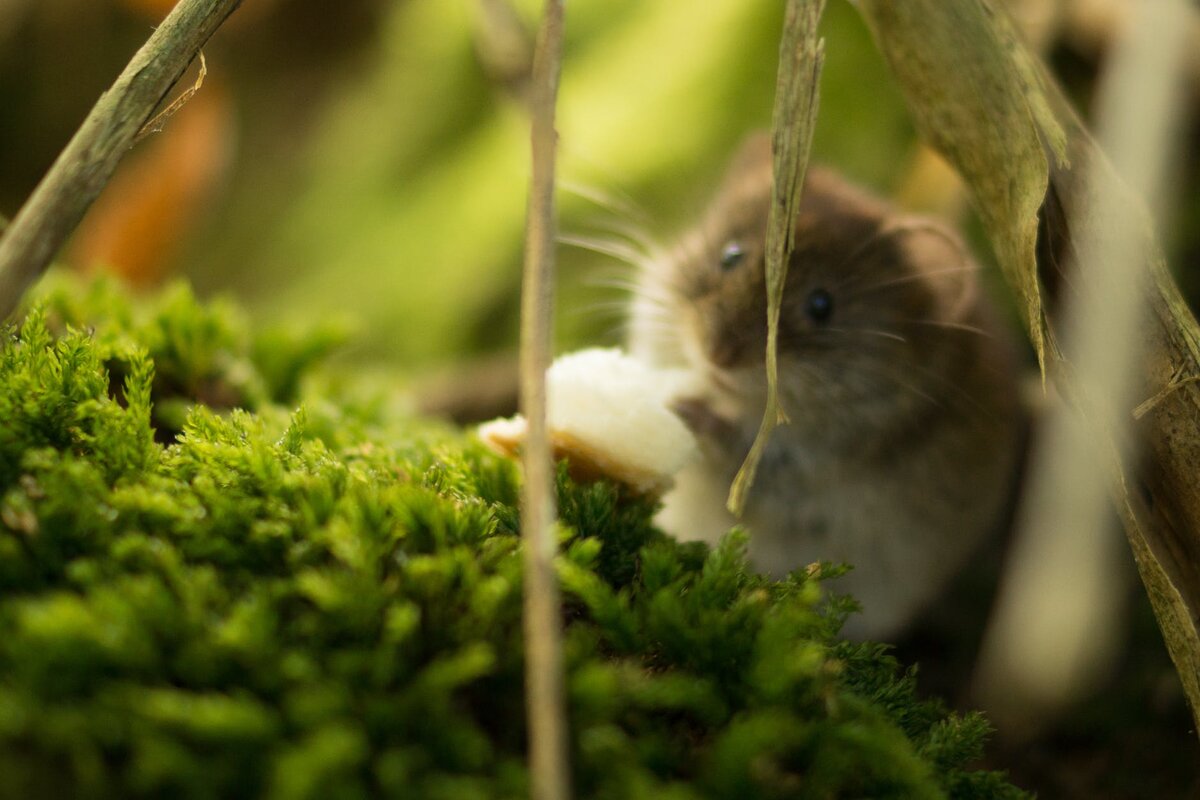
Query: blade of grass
549	769
797	96
110	129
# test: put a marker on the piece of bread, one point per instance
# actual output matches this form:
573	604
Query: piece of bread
607	415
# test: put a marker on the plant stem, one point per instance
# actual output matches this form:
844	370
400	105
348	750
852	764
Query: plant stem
549	767
87	163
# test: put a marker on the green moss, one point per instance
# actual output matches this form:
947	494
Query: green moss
326	603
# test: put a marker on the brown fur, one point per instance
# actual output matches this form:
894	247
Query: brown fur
905	425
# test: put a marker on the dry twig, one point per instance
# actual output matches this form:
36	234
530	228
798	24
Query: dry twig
160	119
549	768
89	159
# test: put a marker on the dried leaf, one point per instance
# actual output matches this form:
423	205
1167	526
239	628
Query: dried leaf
156	124
801	55
1160	507
986	103
975	94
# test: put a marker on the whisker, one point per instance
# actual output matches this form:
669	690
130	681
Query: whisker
659	325
606	306
612	281
655	296
636	234
963	397
952	393
893	376
615	248
954	326
869	331
659	307
618	332
589	319
616	202
651	306
910	278
911	387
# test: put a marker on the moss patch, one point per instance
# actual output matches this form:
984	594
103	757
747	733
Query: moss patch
325	602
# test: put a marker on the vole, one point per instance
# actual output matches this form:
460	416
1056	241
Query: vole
899	379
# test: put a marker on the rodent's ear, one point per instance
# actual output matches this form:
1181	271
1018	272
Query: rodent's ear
940	255
753	155
751	167
747	180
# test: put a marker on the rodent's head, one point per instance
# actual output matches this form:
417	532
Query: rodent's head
876	304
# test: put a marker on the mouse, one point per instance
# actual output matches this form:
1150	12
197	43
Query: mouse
899	375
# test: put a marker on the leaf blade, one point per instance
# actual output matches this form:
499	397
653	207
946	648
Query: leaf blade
797	97
969	97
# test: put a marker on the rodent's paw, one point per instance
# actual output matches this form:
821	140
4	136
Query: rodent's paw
700	418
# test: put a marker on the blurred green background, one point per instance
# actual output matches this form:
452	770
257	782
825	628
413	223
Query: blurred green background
368	160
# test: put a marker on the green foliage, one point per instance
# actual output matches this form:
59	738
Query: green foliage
365	182
202	353
323	604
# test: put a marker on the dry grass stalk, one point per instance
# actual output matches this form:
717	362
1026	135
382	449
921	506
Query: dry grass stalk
549	767
110	129
797	96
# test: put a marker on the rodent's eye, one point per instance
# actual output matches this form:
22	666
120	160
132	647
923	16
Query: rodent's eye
820	305
731	256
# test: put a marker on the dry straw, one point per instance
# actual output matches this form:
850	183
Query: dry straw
112	126
550	773
801	56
